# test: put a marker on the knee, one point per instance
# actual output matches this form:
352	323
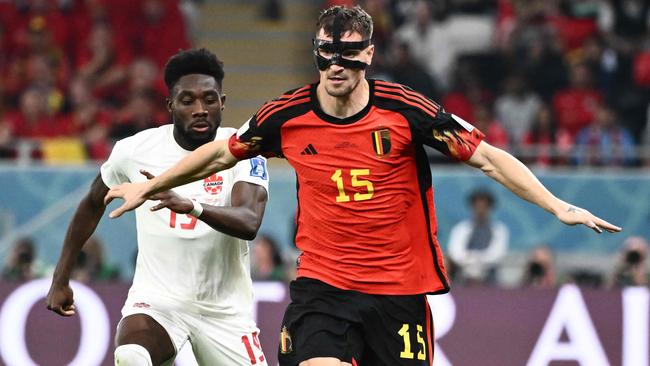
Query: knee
132	355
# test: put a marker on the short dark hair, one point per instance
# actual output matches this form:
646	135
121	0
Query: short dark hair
355	20
481	194
193	61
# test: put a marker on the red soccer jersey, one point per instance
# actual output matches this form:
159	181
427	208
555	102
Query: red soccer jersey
365	218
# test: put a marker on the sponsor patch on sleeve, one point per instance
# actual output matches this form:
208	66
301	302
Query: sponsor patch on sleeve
258	168
466	125
244	128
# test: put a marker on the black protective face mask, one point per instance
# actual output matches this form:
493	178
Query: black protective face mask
328	53
335	54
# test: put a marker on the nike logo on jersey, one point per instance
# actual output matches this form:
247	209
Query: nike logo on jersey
309	150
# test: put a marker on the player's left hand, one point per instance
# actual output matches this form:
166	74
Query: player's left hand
133	194
575	215
169	199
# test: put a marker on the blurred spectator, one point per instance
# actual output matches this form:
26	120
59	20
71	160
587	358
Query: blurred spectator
540	270
91	265
576	106
139	114
428	41
88	119
624	21
536	48
586	277
573	21
267	263
36	25
632	266
39	64
103	62
467	91
403	69
154	41
143	77
478	245
494	132
605	142
604	64
21	263
34	118
544	143
517	107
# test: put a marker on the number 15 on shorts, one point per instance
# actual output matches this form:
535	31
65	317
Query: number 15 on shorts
408	352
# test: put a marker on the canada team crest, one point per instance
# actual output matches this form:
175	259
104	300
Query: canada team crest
213	184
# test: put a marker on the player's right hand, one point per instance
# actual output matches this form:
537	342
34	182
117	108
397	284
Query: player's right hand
133	194
60	300
169	199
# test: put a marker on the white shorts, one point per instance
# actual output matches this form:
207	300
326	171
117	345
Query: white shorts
215	340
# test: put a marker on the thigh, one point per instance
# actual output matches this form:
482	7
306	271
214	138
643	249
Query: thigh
219	341
320	323
145	331
398	331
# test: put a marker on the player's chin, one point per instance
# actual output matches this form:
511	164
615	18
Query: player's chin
338	90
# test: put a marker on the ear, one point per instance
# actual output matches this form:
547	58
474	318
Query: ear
223	101
168	103
370	51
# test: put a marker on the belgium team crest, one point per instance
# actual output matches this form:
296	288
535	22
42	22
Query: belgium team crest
381	141
213	184
285	341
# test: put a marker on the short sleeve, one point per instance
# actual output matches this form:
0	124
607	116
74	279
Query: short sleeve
253	170
261	134
447	133
114	169
254	139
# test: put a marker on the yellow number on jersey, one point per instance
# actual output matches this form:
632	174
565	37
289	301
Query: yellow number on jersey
337	177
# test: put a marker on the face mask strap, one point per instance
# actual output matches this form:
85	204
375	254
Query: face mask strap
337	26
337	49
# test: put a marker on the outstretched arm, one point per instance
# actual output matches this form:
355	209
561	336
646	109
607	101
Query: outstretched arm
514	175
83	224
242	219
207	159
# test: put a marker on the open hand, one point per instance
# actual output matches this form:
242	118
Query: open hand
576	215
133	194
169	199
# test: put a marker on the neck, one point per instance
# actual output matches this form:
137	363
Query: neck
347	105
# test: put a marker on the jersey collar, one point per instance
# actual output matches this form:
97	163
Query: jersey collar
342	121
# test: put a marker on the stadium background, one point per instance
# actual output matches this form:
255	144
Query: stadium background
51	141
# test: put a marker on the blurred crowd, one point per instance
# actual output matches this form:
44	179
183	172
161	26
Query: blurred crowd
477	254
555	81
86	70
476	264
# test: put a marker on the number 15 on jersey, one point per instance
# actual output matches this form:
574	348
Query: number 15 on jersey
356	179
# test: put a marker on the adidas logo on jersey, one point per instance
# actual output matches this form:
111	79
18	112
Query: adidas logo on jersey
309	150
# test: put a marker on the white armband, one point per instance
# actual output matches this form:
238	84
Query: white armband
197	209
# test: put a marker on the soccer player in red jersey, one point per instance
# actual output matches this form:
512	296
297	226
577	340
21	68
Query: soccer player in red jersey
366	223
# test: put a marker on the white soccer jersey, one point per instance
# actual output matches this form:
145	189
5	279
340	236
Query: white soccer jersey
182	263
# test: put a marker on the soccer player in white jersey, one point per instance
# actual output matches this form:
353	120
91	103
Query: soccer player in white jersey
192	279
